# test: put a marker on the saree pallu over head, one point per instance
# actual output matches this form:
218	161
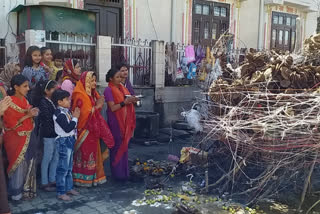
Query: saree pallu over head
88	163
126	118
68	72
17	135
9	71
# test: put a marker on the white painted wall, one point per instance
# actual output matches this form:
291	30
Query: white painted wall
67	3
180	10
8	23
249	23
311	24
32	2
155	24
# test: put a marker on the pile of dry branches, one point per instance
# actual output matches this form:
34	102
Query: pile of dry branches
267	116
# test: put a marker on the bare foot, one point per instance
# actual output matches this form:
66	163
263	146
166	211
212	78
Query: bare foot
73	192
64	197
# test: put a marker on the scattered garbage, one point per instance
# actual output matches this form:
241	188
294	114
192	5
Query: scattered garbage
151	168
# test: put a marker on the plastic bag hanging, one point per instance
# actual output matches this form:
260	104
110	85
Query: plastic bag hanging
190	55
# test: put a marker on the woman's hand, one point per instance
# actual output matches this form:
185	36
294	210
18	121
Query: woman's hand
48	69
130	100
76	112
100	102
33	112
4	104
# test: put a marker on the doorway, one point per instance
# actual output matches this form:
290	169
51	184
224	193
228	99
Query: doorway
108	16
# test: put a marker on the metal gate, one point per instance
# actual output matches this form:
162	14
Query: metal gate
3	56
137	54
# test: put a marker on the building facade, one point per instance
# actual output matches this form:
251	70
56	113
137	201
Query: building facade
261	24
9	49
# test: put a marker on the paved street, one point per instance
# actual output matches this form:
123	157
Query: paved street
108	198
111	197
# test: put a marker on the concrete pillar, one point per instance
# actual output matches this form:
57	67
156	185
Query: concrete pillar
237	33
173	20
158	63
261	25
158	68
35	37
103	58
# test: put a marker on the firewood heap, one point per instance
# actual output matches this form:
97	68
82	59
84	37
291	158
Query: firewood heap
267	114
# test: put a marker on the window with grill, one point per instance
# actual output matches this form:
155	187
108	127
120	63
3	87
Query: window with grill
283	31
210	20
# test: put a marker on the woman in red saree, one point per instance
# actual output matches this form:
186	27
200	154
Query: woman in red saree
19	141
88	159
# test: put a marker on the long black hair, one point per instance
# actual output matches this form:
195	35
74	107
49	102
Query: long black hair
16	80
59	74
40	91
111	73
119	66
28	58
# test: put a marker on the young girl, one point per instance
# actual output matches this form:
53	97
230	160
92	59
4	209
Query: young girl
19	141
71	76
46	61
33	71
49	163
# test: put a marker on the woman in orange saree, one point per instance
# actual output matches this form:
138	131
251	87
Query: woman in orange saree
18	141
122	122
88	159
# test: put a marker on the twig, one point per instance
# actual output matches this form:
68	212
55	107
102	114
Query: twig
307	181
315	204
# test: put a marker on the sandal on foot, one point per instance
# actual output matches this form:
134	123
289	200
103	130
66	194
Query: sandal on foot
64	197
73	192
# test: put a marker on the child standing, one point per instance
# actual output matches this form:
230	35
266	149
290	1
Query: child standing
49	163
65	125
58	64
46	60
32	70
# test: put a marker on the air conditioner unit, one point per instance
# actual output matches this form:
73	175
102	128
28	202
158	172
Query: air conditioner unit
277	2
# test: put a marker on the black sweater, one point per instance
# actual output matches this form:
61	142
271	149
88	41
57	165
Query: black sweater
47	110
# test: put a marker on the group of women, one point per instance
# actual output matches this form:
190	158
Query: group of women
21	126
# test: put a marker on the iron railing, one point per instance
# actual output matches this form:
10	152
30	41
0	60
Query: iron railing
3	56
79	47
137	54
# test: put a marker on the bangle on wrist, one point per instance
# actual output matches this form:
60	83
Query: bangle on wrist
122	104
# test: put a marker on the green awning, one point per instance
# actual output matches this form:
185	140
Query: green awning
55	19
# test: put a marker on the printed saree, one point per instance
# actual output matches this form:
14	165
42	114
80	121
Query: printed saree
88	159
17	143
